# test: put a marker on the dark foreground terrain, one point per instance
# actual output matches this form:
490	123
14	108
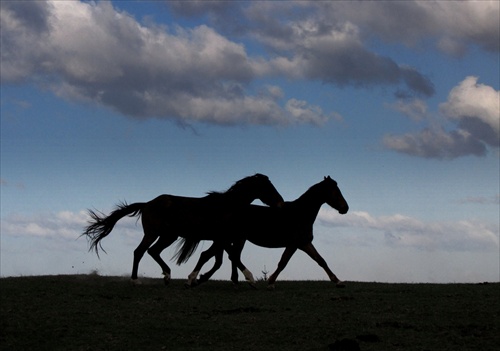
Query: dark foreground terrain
107	313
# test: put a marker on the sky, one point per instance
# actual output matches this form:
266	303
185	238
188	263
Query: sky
112	101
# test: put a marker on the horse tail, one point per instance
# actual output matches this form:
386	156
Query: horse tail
101	225
185	249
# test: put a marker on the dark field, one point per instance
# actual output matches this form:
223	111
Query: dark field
106	313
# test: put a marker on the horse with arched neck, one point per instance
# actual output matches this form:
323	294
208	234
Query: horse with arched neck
289	226
168	217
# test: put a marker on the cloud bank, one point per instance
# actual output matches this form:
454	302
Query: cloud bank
404	231
399	230
453	26
96	53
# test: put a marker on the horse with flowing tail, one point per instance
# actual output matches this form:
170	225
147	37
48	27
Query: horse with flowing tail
168	217
289	226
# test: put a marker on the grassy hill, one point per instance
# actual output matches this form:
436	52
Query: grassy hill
90	312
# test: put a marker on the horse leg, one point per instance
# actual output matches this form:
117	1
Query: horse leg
234	253
204	257
313	253
287	254
155	251
217	251
146	242
215	268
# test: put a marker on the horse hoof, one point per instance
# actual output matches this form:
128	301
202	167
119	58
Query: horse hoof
271	287
253	285
166	279
340	284
135	282
189	285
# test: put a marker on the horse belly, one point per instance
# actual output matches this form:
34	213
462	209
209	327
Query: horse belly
273	234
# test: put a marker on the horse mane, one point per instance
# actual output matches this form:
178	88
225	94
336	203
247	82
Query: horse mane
234	186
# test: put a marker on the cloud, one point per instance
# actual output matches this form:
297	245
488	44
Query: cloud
194	74
416	109
454	25
404	231
474	111
63	226
399	230
325	40
93	52
195	8
481	200
197	74
435	143
316	48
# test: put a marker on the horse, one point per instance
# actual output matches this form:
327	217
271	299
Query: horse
289	226
168	217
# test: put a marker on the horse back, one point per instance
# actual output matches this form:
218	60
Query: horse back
184	215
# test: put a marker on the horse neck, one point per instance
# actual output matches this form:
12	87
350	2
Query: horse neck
238	196
309	203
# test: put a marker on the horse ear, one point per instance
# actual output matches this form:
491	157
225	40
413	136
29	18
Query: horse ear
327	177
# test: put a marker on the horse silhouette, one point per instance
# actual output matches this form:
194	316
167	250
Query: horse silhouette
289	226
168	217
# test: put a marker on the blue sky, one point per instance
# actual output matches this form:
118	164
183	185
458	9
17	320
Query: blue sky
126	100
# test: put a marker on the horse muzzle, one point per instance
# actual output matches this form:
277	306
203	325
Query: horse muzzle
343	209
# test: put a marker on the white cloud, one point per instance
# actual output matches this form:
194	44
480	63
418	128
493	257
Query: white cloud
303	112
64	225
93	52
404	231
399	230
476	108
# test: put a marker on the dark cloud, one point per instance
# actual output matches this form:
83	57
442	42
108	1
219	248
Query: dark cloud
474	110
354	65
436	143
452	25
31	15
197	8
480	130
335	54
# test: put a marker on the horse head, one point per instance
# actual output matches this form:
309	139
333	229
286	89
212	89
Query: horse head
334	196
259	187
266	192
